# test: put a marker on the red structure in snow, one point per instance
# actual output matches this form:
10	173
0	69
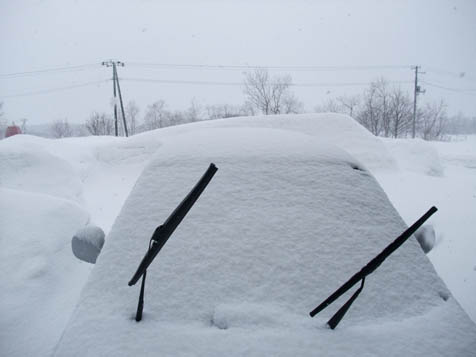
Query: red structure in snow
12	130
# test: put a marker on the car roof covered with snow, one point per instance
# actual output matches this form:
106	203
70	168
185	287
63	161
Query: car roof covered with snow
285	221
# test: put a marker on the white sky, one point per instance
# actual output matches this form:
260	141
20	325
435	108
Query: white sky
439	35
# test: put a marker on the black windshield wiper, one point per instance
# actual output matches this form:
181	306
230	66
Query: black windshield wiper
366	270
164	231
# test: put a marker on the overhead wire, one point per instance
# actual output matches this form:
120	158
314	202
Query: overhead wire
458	90
460	75
223	67
57	89
220	83
82	67
61	69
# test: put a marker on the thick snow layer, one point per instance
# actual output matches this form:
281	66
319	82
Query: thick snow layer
40	279
32	169
94	175
285	221
95	172
335	129
49	189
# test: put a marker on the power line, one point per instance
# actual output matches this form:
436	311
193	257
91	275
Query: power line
460	75
458	90
220	83
187	82
227	67
49	70
52	90
223	83
224	67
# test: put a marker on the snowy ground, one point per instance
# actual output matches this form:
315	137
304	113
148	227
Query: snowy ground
50	188
443	174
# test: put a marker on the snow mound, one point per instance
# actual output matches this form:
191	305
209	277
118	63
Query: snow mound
284	222
31	168
415	155
87	243
41	279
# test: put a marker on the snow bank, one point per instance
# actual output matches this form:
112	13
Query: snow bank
40	279
95	172
285	221
415	155
413	189
50	189
31	168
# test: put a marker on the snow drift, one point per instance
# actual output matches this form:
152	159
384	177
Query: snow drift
285	221
40	279
32	169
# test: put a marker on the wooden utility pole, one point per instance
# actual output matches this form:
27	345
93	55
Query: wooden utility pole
115	80
120	100
417	90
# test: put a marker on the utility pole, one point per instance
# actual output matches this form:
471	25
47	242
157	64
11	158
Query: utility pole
115	80
417	90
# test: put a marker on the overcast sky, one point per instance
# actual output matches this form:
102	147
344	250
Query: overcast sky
439	35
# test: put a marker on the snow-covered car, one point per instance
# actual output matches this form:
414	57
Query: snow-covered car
285	221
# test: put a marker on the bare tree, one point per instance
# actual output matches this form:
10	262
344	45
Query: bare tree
248	109
383	99
157	116
132	112
194	112
100	124
400	112
387	111
291	105
223	111
329	106
433	121
369	115
265	93
349	103
61	128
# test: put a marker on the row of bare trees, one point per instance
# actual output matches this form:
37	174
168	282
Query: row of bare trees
461	124
264	94
383	109
388	111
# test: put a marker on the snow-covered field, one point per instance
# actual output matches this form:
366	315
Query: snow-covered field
51	188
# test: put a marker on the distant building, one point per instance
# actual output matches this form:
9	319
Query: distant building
12	130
